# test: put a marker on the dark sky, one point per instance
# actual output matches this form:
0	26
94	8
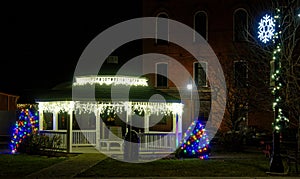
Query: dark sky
42	42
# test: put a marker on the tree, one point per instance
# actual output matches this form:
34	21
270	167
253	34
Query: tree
195	143
287	51
281	28
26	125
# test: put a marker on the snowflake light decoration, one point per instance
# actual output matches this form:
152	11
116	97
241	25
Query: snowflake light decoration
266	28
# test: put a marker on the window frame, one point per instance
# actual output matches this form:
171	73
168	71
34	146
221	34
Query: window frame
234	25
156	29
234	74
156	74
206	25
194	74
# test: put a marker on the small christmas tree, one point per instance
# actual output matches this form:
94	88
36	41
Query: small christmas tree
27	124
195	143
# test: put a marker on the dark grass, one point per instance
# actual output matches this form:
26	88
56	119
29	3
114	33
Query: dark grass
255	167
18	165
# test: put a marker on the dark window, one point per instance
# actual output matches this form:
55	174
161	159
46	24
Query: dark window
162	30
48	121
200	22
200	74
240	25
162	75
63	118
240	74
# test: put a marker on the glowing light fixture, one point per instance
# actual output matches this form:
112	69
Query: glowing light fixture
266	28
110	80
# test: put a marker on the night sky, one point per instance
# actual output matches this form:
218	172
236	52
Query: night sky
42	42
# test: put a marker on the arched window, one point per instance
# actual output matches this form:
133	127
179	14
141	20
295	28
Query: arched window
162	75
162	29
240	25
200	25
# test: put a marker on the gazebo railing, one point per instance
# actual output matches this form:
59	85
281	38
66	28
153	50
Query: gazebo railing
157	142
84	137
80	137
62	134
149	142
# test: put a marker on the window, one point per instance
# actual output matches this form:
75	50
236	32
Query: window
48	121
162	75
200	74
162	30
63	118
200	25
240	25
112	59
240	74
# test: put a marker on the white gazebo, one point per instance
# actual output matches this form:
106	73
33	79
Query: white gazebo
104	119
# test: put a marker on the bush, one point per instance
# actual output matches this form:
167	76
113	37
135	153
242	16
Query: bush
40	144
232	141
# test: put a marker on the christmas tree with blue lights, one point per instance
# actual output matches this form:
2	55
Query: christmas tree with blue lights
26	125
195	143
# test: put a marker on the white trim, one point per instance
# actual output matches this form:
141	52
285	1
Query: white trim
150	107
110	80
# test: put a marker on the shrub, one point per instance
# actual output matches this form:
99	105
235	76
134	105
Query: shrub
40	144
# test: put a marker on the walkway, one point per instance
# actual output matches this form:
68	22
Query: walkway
70	167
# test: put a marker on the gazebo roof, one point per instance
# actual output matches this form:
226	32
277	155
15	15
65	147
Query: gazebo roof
63	92
103	93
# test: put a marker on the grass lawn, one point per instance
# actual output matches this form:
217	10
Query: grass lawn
18	165
257	166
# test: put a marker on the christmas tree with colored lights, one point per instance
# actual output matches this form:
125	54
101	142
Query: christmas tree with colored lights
195	143
26	125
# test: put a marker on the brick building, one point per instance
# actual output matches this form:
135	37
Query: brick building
8	107
222	24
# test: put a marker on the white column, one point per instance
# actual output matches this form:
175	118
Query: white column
55	120
179	128
41	120
174	127
70	132
128	114
97	113
146	122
